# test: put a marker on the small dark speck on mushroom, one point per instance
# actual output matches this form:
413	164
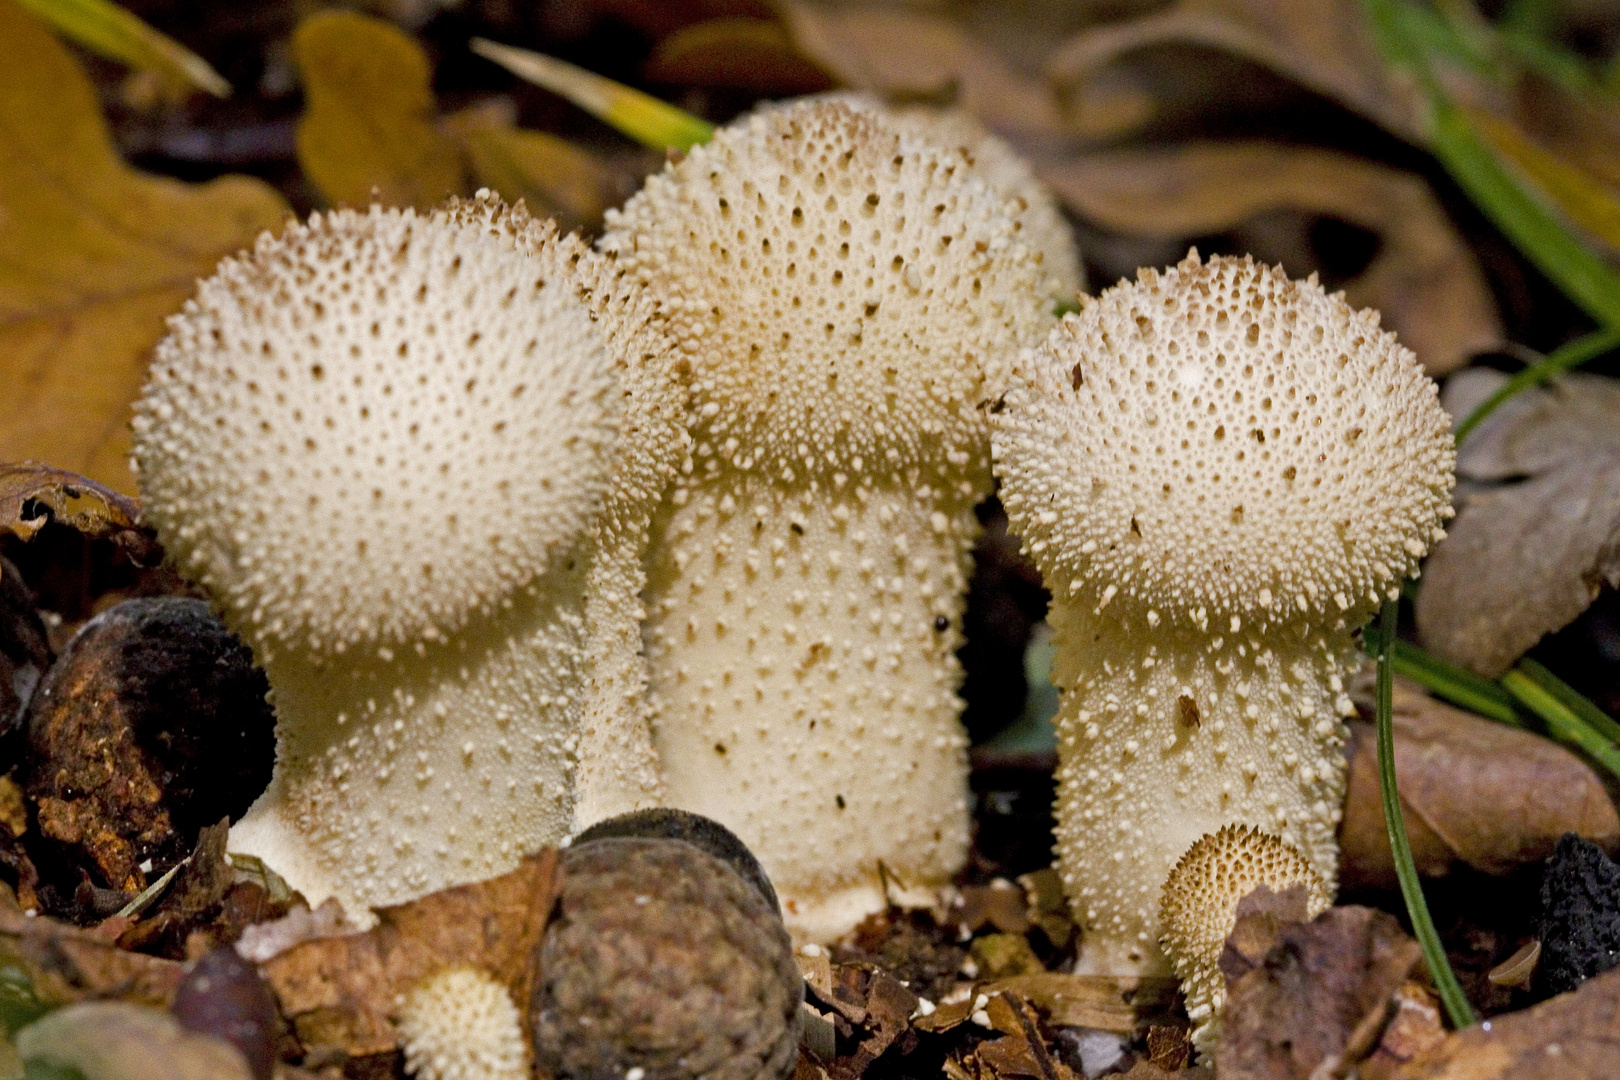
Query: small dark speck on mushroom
720	748
1187	708
839	799
941	623
798	530
1077	377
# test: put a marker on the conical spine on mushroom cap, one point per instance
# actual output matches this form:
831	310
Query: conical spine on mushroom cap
1220	473
848	297
1199	908
380	440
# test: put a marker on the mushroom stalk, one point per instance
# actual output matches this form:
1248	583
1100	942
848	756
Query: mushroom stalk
1221	474
847	296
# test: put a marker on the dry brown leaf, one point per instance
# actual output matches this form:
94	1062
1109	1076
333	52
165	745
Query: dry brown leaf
96	254
33	495
1526	558
1472	791
750	54
1424	279
1104	1002
116	1040
1415	1029
1574	1035
369	129
65	964
340	992
1318	997
1325	45
915	56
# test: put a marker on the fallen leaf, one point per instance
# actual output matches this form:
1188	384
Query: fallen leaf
1104	1002
1414	1030
31	496
1573	1035
748	54
1472	791
921	57
340	992
1527	557
550	175
368	131
871	1009
1424	278
1318	999
65	964
1325	46
116	1040
96	255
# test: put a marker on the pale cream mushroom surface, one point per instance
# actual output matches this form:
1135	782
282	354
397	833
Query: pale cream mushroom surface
461	1024
380	441
1221	473
848	297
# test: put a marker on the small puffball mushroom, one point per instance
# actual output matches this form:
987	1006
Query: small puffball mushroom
1221	474
461	1024
847	296
663	963
1199	907
380	441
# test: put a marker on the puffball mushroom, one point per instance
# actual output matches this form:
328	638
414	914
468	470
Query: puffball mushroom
1199	907
461	1024
380	440
846	295
1221	474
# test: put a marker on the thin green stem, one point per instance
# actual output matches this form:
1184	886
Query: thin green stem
1581	706
1455	685
1445	980
1569	356
1563	723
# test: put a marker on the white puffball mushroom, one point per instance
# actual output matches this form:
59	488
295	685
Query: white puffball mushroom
847	297
1221	473
1199	908
380	441
460	1024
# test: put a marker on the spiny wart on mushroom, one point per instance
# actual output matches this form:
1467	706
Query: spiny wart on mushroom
847	296
1242	470
380	441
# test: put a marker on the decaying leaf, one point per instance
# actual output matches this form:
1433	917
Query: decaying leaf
1528	557
33	495
1573	1035
340	992
1414	1030
752	54
1326	46
1472	792
1424	279
369	127
1021	1051
65	964
117	1040
922	57
96	255
1317	1000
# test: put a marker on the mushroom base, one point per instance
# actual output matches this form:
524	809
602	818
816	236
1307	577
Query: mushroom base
1166	735
401	773
802	658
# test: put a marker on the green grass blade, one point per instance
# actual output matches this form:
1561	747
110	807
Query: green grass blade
646	119
107	29
1445	980
1563	723
1569	356
1461	688
1599	720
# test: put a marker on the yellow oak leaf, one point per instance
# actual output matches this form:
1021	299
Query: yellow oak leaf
93	256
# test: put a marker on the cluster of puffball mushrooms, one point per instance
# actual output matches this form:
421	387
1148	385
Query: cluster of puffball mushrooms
527	534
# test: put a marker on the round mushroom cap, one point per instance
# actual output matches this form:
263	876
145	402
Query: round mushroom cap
662	959
1218	445
461	1024
848	294
376	424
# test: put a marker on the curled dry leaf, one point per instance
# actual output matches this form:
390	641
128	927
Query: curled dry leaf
1573	1035
117	1040
341	992
1317	999
1528	557
369	128
96	255
910	55
33	495
1325	45
1424	279
1472	791
65	964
